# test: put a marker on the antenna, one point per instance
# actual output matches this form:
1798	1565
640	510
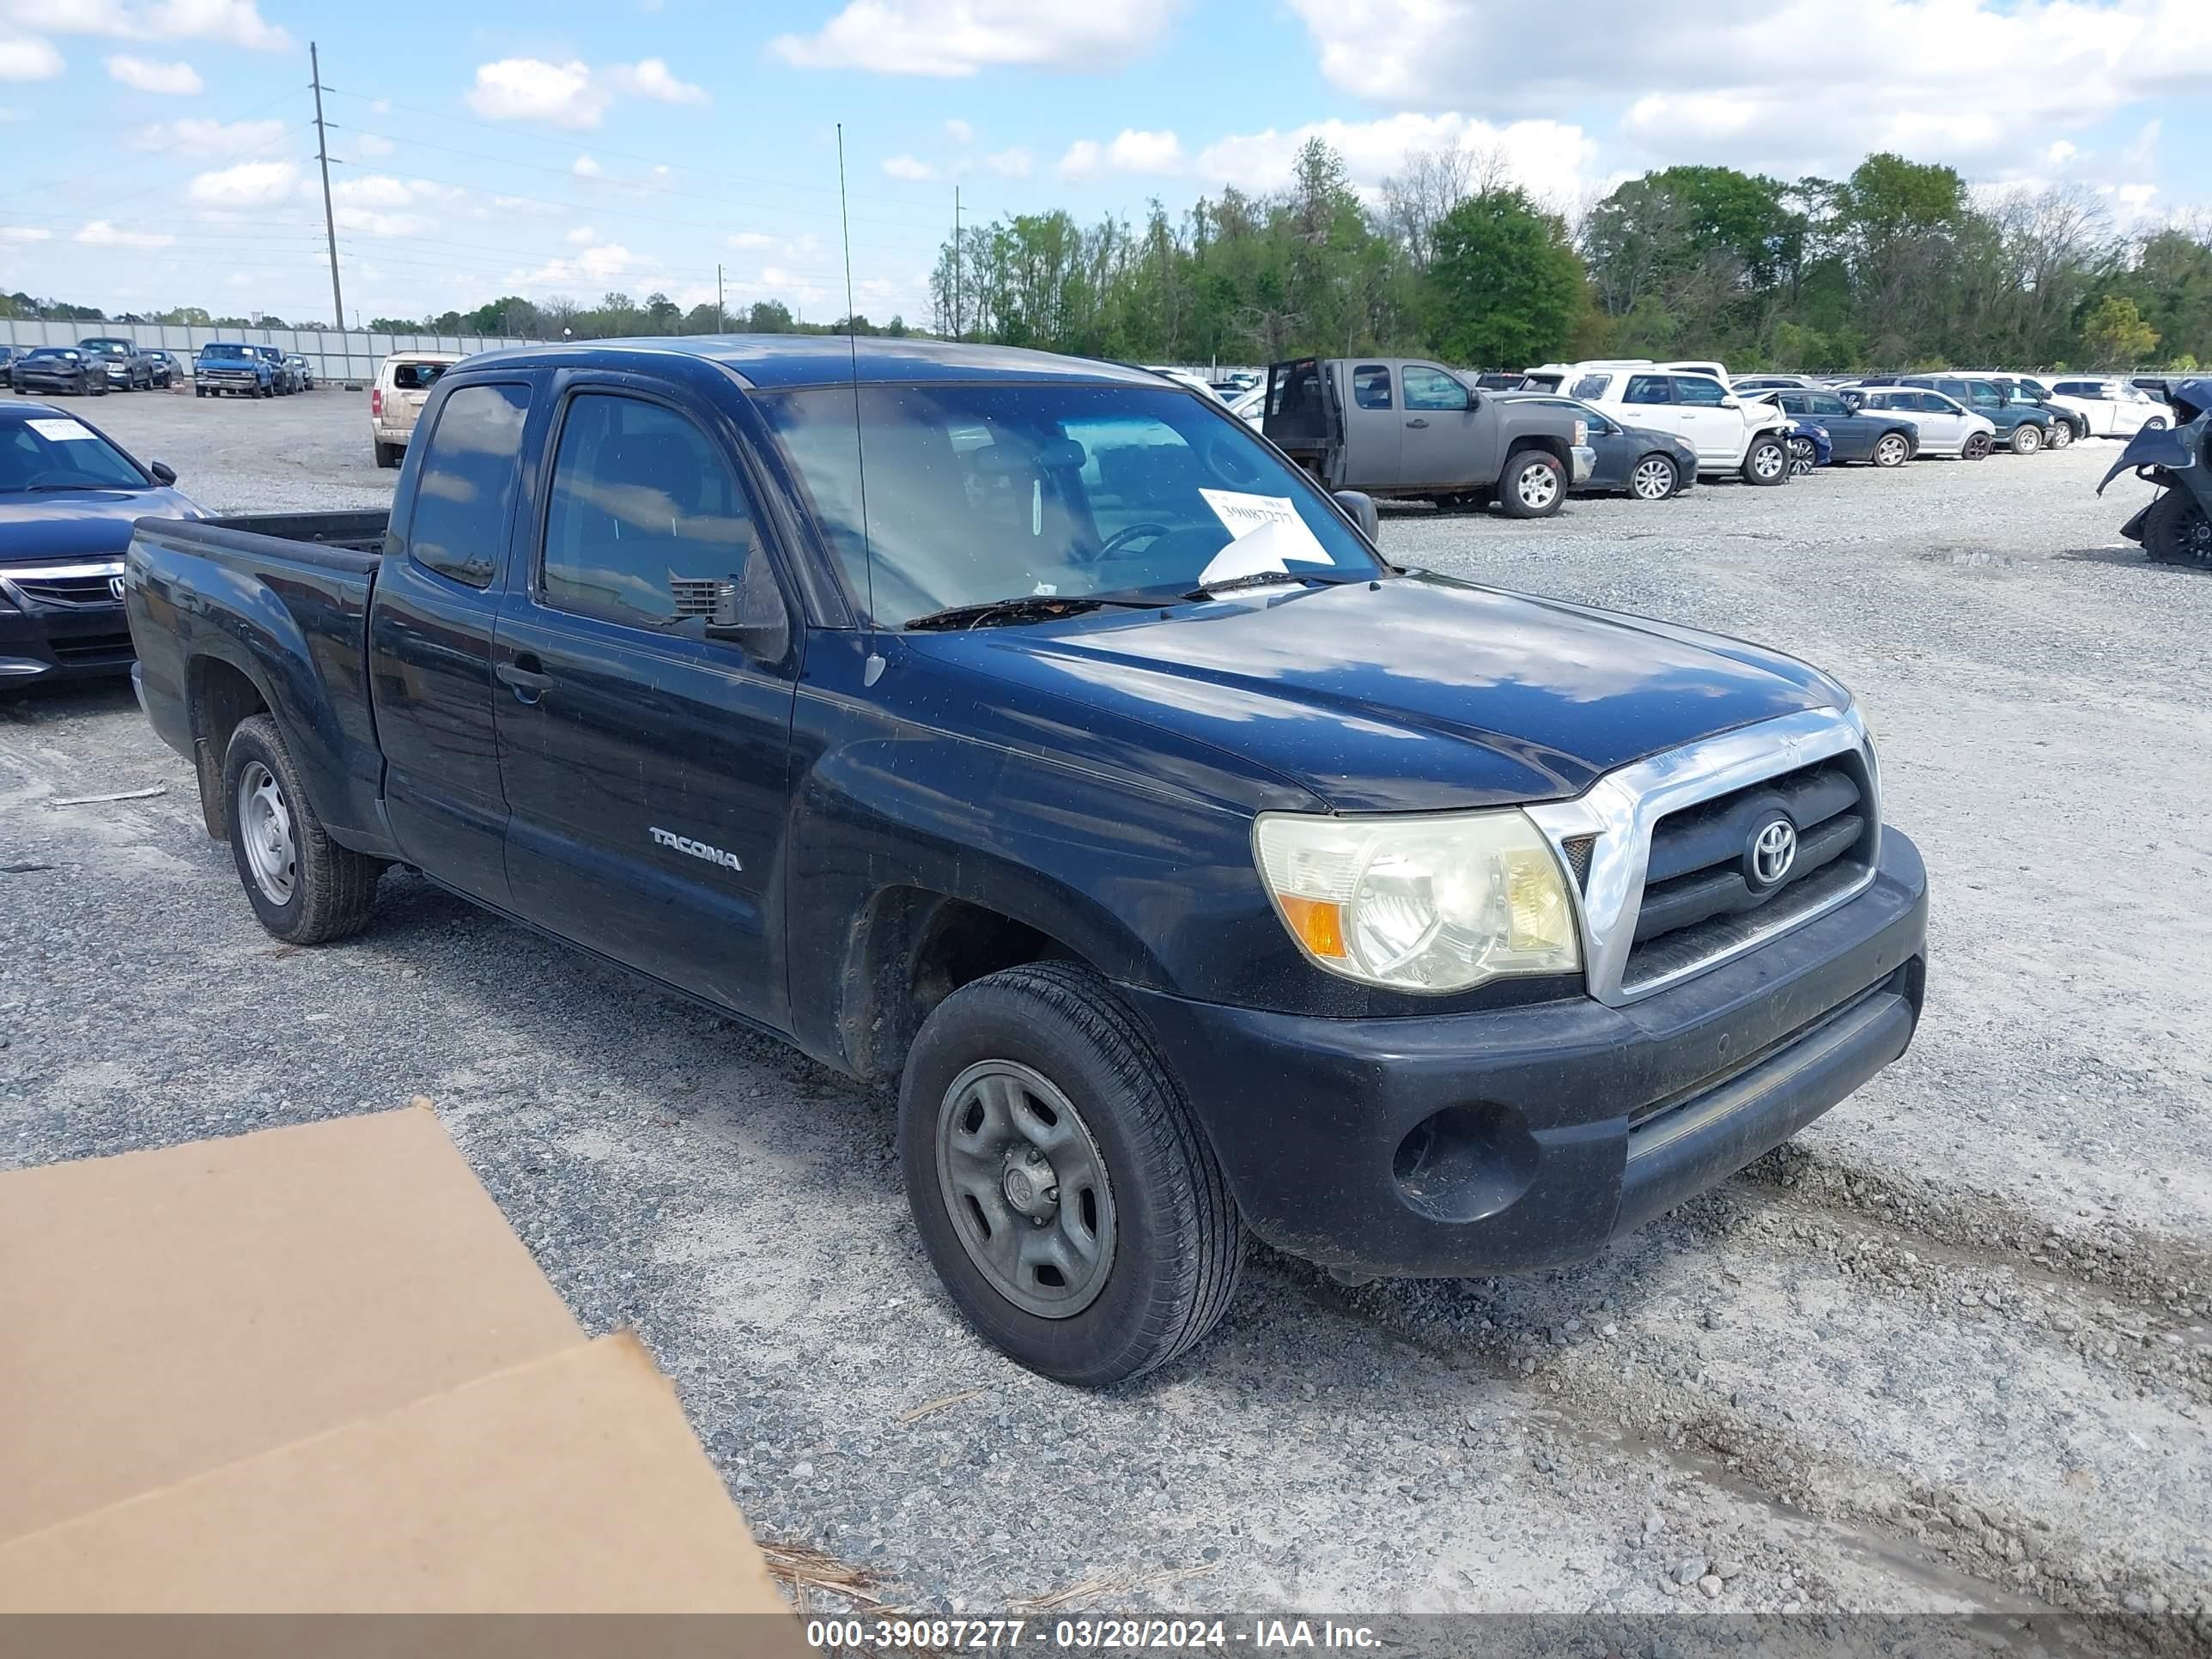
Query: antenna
852	348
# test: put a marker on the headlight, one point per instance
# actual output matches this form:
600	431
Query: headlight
1581	432
1420	903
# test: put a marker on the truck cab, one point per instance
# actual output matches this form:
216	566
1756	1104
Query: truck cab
1403	427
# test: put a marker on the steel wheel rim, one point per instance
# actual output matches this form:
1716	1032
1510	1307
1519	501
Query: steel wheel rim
1768	460
1537	486
2030	438
1654	480
1026	1188
264	826
1891	451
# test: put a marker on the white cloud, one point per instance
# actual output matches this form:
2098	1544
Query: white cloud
372	144
1917	74
198	136
26	57
602	263
233	22
1013	163
1132	151
532	90
143	75
102	233
906	166
378	190
582	236
751	238
248	185
2060	153
584	168
25	233
959	132
1552	159
960	37
650	79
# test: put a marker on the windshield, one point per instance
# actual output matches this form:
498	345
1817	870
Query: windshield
53	451
976	494
225	353
54	354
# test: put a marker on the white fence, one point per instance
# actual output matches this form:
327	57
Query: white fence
347	358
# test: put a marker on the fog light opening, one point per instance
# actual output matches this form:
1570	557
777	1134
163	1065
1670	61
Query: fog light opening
1464	1162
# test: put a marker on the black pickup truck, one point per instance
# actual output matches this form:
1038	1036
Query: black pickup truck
1027	730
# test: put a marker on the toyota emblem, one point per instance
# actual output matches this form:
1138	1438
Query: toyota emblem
1773	850
115	587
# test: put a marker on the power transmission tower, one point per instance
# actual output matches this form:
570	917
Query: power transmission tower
323	155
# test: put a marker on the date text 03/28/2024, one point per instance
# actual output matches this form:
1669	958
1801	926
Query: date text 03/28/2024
1085	1635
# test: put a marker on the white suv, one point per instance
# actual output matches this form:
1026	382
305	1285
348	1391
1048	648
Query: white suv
2114	408
1744	435
396	397
1948	429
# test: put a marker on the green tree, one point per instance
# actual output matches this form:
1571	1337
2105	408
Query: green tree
767	317
2115	334
1504	285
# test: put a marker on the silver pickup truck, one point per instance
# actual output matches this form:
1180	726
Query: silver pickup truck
1397	426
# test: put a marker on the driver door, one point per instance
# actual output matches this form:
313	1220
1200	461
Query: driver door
1445	445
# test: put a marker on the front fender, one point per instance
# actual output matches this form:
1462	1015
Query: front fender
2154	447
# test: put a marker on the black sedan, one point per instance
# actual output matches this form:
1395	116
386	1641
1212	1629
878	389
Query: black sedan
68	496
60	368
1876	437
1647	465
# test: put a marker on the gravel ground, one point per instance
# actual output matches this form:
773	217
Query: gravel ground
1948	1351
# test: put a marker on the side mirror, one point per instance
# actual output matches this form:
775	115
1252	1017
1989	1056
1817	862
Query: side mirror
747	609
164	474
1361	506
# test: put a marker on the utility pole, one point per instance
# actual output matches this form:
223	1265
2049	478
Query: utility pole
721	321
323	155
957	331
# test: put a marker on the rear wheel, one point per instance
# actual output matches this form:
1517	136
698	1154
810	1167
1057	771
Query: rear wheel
387	454
1976	448
1060	1186
2026	438
303	886
2156	423
1654	479
1766	462
1891	449
1804	456
1534	485
2176	531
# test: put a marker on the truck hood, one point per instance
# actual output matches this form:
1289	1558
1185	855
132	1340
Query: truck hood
81	524
1415	693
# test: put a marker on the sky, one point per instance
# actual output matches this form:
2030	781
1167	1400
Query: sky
158	153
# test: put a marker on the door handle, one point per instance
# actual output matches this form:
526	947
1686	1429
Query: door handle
1417	422
524	675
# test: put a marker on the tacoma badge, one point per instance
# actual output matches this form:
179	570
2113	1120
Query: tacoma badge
697	849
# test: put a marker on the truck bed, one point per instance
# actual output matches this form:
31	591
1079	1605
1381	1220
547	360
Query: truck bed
306	535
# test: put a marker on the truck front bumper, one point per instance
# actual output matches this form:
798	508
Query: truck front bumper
1526	1137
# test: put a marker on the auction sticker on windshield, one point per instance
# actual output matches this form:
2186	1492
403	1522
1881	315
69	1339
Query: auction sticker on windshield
64	430
1265	533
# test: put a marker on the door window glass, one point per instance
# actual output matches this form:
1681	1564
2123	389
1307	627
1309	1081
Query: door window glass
642	506
1695	390
467	483
1590	386
1370	386
1820	403
1432	388
1647	389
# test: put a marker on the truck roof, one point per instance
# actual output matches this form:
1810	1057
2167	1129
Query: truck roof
790	359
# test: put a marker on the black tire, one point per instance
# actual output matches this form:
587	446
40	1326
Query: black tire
2062	433
1977	448
1766	463
1804	456
1654	478
1891	449
1177	1239
2176	531
1533	484
199	392
331	888
387	455
2156	423
2026	438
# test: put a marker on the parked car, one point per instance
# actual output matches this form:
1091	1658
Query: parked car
1875	436
2020	427
8	355
396	397
281	373
1192	379
2067	424
60	369
224	367
1810	447
1250	406
2113	408
129	365
1395	426
303	372
1948	431
1194	869
1648	465
169	368
68	494
1768	382
2156	385
1744	436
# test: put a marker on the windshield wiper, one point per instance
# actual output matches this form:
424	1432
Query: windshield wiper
1023	607
1260	578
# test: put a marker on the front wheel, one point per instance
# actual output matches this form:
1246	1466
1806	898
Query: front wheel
1891	449
2026	438
1535	485
1059	1184
1976	448
2176	530
1766	462
1655	479
2156	423
1804	456
2062	433
304	887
